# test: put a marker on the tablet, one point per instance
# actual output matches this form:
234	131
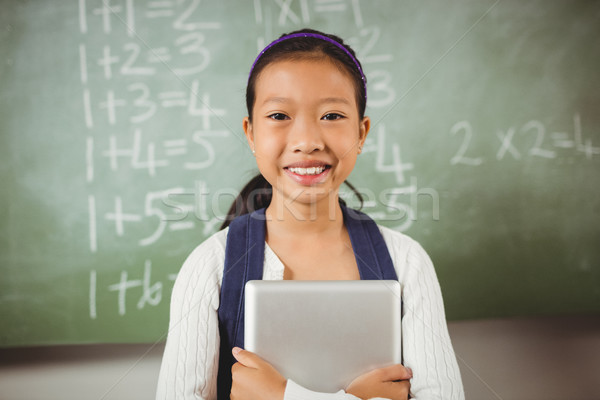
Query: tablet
323	334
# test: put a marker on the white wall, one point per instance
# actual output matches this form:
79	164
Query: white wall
512	359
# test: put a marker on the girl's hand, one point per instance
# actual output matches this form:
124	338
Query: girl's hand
389	382
252	378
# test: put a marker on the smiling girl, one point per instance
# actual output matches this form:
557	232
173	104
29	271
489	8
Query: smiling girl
306	99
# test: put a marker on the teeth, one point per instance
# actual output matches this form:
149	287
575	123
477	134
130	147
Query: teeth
308	171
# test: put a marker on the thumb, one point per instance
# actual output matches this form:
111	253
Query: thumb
246	358
396	372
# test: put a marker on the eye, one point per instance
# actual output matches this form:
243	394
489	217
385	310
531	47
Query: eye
332	117
278	116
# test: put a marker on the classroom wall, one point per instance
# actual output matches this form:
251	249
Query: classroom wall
553	358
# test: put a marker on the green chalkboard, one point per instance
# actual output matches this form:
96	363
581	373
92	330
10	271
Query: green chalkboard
121	148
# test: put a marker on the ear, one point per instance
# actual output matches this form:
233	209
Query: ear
247	125
363	131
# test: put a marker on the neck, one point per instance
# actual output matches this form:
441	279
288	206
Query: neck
305	218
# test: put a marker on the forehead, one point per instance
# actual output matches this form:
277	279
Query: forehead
304	78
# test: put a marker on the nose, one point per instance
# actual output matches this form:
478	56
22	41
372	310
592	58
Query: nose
306	137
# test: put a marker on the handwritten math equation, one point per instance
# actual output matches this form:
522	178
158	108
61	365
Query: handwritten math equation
531	139
120	106
145	289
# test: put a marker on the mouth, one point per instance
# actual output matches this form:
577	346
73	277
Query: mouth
308	172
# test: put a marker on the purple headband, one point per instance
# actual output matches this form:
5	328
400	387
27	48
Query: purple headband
313	35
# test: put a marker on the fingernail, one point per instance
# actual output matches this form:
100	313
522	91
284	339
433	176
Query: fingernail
236	350
410	372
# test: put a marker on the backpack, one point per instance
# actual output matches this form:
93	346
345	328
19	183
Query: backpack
244	260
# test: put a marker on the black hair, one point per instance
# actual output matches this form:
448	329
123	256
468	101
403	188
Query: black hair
309	47
257	193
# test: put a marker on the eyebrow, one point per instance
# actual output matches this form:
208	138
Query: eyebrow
275	99
335	100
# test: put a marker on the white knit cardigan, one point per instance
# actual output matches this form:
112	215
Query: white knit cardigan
190	362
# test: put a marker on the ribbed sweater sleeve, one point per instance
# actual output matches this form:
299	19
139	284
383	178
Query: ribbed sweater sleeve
426	345
191	357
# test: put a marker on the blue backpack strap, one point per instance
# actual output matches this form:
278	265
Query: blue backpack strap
244	259
372	255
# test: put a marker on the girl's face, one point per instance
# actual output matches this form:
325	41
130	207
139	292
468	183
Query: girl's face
305	129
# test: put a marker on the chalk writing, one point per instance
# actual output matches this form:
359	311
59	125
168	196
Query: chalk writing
459	157
119	217
120	107
527	140
395	209
146	289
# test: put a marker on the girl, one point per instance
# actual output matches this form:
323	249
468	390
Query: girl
306	98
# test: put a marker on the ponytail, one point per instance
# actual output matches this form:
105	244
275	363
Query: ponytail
257	194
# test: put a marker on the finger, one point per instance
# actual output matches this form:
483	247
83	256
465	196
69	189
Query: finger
236	366
396	372
401	388
246	358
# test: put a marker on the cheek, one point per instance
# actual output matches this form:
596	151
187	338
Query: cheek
349	152
348	148
346	162
349	162
265	138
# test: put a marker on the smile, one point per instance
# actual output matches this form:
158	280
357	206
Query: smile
308	171
310	175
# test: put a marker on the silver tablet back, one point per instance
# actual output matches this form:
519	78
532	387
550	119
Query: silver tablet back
323	334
